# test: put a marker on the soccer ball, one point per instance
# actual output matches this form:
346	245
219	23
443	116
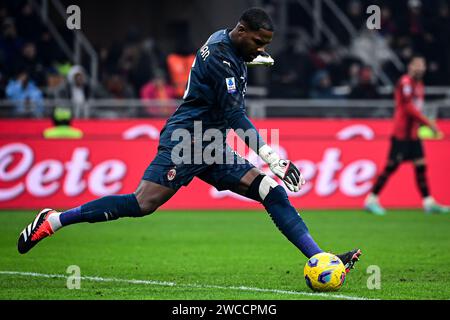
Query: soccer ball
324	272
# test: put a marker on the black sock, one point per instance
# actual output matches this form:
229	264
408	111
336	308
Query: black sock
382	179
421	180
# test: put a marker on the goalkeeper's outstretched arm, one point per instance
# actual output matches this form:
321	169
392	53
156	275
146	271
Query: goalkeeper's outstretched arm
284	169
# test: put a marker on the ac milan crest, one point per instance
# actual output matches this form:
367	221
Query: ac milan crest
171	174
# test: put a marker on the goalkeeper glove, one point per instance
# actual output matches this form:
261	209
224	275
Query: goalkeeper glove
284	169
263	59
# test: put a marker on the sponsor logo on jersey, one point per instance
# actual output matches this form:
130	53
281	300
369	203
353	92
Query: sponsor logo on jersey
231	85
171	174
227	63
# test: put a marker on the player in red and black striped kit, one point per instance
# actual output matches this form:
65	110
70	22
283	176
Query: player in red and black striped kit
405	143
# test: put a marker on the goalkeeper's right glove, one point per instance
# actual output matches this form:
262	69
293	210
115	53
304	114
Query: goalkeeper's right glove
284	169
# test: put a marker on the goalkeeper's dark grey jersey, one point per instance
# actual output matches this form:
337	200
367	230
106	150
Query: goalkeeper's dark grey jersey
214	93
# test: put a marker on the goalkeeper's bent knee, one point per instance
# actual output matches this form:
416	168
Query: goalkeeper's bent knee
260	188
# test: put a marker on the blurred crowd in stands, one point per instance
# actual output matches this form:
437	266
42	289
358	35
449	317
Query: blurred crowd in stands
33	67
407	27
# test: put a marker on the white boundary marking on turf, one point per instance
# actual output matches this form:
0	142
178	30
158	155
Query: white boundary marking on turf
186	285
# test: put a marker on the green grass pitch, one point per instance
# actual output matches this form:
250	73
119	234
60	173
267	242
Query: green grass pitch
225	255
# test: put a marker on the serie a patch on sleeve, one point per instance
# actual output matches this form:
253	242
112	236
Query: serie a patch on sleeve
231	85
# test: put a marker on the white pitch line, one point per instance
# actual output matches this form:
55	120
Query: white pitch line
186	285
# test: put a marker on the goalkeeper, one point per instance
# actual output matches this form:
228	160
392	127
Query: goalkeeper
214	98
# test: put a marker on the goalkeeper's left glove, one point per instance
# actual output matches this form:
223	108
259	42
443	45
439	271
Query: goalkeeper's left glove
284	169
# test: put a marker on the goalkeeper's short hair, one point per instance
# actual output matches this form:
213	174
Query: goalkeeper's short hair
257	18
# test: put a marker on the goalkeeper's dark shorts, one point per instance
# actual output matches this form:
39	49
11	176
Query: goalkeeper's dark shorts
223	176
405	150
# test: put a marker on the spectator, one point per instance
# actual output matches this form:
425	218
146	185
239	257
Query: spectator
149	60
355	14
365	89
438	52
10	45
131	55
48	51
353	10
321	86
158	88
25	95
389	24
28	23
180	61
129	58
415	20
351	69
290	74
56	85
118	88
29	60
179	67
414	25
326	57
77	90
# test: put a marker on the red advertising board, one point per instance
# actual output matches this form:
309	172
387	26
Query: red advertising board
339	158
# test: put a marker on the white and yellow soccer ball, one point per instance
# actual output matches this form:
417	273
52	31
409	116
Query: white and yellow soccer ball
324	272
